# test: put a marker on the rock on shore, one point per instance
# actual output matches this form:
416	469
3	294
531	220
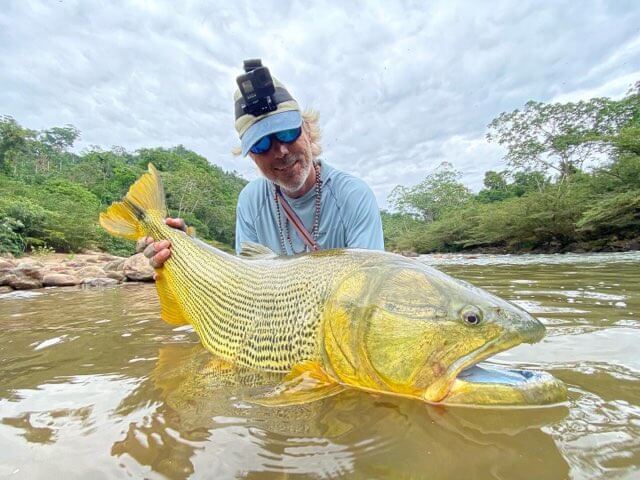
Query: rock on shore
61	270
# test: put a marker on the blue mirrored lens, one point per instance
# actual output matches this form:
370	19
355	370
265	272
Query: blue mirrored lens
261	145
288	136
285	136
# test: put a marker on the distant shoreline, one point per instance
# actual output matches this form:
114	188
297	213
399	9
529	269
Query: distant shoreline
595	246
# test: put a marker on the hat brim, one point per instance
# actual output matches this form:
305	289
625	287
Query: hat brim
268	125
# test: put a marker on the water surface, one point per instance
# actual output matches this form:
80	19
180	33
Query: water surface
94	385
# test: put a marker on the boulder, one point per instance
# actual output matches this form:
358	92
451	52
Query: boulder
24	283
6	289
90	271
59	280
105	257
114	265
137	268
29	269
74	264
6	278
6	264
26	262
58	269
120	276
99	282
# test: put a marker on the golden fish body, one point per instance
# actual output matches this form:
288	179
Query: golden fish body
338	318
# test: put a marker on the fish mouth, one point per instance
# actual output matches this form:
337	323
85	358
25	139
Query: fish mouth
469	382
493	386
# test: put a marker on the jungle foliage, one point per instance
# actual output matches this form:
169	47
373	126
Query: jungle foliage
572	181
51	197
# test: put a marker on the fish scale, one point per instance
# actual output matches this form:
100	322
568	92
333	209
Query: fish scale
254	313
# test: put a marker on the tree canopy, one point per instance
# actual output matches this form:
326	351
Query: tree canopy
571	181
52	196
559	138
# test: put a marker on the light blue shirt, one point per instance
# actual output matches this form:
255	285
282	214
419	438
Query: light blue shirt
349	215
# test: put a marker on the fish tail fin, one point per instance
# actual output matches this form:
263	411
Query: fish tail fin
123	219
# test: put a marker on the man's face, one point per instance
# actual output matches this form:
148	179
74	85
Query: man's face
286	164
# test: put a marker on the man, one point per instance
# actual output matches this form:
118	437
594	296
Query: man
333	209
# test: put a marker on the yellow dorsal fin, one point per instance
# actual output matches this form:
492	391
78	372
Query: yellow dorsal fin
307	382
170	309
123	219
253	251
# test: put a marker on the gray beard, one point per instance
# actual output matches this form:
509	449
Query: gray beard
291	188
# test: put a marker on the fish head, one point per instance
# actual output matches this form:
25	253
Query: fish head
409	329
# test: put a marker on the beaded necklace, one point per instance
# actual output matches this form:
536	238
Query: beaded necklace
316	217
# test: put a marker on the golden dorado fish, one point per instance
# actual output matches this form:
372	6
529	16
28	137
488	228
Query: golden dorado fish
337	319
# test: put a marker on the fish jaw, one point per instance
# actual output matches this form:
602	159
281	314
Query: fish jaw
438	390
491	386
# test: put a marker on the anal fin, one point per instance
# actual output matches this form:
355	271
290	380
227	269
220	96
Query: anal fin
170	310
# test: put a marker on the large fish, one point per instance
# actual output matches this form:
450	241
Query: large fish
337	319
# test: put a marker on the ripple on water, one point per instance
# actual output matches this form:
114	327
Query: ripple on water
94	377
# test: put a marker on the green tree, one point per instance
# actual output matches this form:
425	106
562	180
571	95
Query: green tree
14	145
430	199
495	188
558	137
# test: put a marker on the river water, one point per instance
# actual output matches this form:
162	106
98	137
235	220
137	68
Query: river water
94	385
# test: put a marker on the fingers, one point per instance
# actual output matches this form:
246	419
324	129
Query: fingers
159	258
158	252
142	243
154	247
176	223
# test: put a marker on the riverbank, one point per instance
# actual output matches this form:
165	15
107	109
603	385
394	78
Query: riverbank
98	269
604	245
91	269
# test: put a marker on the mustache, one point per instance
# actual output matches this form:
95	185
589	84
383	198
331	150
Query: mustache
290	160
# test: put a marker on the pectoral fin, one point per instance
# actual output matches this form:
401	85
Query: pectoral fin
306	383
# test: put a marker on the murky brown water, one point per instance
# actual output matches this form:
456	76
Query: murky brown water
94	385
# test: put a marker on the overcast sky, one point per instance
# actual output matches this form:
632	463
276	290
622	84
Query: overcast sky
400	86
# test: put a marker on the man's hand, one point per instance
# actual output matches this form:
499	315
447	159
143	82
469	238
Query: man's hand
159	252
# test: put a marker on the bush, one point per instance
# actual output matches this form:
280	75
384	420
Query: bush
612	214
11	241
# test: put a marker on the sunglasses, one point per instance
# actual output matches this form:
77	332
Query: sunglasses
285	136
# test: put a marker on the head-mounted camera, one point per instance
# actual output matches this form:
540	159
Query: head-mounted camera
257	89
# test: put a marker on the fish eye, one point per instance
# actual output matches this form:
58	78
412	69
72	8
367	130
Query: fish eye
471	316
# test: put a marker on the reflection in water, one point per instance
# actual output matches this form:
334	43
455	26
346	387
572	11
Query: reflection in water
352	432
93	385
31	433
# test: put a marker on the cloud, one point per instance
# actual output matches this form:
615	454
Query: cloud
401	86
